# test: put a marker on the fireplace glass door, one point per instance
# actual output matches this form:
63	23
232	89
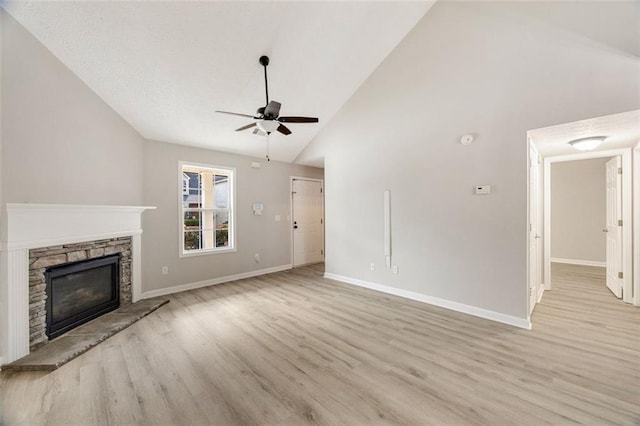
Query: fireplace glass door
80	292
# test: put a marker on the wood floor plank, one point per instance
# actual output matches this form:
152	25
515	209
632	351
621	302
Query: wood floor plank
293	348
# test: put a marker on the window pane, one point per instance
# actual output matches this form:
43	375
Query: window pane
222	219
221	188
191	240
222	238
192	221
193	197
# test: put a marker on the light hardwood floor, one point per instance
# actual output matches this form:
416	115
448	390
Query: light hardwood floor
294	348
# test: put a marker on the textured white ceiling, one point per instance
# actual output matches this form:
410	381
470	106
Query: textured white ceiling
166	66
621	131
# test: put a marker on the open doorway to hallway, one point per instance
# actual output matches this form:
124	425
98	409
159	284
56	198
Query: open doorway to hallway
586	241
585	214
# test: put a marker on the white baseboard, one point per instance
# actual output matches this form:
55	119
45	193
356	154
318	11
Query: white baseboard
579	262
443	303
540	292
214	281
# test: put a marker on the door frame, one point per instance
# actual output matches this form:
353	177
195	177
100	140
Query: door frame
627	213
636	224
291	246
540	285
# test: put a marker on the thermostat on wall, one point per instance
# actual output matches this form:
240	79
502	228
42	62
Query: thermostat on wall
482	189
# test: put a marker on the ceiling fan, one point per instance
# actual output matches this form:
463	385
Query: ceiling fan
268	115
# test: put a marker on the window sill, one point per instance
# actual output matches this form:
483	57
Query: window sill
206	252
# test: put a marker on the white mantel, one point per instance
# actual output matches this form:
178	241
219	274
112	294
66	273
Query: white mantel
29	226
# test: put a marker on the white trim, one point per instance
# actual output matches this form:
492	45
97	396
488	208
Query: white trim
627	213
579	262
636	224
540	293
44	225
291	245
232	207
587	155
17	207
37	243
206	252
214	281
532	146
443	303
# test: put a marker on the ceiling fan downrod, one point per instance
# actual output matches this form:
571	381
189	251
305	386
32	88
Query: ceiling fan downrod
264	61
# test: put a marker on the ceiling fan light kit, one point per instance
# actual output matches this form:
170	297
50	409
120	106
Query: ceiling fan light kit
268	126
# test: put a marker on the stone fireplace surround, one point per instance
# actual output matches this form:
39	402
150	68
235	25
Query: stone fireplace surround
41	259
34	226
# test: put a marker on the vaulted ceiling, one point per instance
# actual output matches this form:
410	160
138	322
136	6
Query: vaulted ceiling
165	67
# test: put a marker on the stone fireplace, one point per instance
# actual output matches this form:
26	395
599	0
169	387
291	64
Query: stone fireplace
67	260
37	237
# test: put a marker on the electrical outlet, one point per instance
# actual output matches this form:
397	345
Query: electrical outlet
372	266
256	257
165	270
394	269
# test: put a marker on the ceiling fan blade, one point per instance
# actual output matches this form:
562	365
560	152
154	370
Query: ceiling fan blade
272	109
283	129
248	126
237	113
298	119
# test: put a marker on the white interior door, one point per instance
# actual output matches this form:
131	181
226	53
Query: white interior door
308	221
613	228
535	258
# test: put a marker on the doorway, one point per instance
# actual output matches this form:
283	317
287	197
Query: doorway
617	209
307	221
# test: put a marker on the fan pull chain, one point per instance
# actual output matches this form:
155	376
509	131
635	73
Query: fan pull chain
268	159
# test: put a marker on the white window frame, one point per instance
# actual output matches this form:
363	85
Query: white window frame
231	172
185	188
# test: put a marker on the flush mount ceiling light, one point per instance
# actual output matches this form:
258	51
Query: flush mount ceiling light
587	144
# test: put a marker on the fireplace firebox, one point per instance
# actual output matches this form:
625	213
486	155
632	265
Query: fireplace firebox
79	292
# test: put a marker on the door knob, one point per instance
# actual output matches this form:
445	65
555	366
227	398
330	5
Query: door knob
537	237
295	226
605	230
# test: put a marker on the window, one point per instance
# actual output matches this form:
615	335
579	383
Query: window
207	209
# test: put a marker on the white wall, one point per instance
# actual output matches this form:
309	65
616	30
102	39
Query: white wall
578	214
60	142
255	234
465	68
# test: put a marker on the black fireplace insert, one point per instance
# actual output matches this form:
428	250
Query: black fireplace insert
79	292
